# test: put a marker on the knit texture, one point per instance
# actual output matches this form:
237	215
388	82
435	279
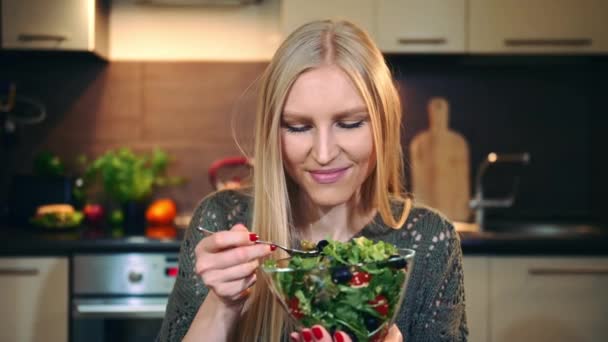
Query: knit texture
434	304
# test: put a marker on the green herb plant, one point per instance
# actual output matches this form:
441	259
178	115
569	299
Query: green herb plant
126	176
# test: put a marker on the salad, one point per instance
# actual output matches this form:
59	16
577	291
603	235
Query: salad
354	286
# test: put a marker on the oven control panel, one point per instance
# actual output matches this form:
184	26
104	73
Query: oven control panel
124	274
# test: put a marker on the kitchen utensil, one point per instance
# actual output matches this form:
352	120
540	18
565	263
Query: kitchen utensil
440	165
290	251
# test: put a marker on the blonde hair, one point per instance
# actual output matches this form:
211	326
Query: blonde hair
343	44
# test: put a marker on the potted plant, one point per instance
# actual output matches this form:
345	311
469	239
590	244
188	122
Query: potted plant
129	180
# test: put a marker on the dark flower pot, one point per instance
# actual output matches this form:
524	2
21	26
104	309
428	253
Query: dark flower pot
134	217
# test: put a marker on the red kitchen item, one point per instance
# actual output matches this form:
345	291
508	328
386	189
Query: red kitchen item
229	162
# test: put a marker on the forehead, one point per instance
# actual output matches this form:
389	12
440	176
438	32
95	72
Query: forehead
325	89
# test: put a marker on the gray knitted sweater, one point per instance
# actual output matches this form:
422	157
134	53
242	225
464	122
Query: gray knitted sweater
433	308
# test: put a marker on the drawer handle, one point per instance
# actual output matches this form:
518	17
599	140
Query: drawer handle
25	37
567	271
422	41
18	271
575	42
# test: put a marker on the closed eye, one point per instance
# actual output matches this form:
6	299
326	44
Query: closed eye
350	124
296	128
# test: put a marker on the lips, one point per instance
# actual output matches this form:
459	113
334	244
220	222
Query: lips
328	176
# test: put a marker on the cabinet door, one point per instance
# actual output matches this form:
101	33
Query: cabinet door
539	26
476	276
548	299
421	25
297	12
34	299
43	24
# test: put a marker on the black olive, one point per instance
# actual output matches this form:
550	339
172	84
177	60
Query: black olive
371	323
321	244
341	275
396	261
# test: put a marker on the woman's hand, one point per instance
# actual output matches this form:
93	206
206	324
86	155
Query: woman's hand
319	334
227	261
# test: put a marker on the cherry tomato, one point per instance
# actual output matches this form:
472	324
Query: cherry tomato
294	307
380	304
360	279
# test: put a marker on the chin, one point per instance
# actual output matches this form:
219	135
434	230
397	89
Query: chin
329	197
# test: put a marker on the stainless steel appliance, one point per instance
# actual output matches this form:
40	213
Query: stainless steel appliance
120	297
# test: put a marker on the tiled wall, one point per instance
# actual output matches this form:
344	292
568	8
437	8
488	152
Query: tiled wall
551	108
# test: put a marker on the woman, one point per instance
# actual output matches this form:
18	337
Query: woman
328	163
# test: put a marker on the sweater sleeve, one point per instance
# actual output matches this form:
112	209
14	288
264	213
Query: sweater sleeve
441	304
189	291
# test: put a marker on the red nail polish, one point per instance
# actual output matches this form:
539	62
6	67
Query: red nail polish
307	335
253	237
293	339
317	332
338	337
273	247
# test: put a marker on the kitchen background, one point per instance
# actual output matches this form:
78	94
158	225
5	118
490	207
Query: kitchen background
183	78
550	106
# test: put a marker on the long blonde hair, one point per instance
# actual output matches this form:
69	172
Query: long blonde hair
320	42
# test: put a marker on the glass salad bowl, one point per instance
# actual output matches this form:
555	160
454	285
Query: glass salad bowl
356	287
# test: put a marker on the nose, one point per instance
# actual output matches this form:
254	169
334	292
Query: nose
325	147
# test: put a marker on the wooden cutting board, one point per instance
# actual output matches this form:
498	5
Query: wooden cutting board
439	161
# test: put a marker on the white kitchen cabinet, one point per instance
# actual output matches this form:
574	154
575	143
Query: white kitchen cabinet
539	26
34	299
79	25
297	12
548	299
476	275
429	26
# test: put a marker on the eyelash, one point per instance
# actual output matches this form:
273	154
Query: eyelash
302	129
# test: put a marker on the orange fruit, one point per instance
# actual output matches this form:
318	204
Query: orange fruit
161	212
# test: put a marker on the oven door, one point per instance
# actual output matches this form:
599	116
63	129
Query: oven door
117	319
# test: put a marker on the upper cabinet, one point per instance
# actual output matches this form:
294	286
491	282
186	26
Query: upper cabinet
79	25
421	26
467	26
539	26
297	12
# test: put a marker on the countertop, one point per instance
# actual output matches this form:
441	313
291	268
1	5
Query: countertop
511	239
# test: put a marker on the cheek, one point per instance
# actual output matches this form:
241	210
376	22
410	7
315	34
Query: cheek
294	149
360	148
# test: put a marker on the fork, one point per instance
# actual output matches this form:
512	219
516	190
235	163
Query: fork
290	251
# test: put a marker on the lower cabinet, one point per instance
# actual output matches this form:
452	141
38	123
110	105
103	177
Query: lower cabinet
548	299
34	299
476	273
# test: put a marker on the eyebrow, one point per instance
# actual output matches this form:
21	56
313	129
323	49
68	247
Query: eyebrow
338	115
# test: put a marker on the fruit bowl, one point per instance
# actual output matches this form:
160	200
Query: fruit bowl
356	287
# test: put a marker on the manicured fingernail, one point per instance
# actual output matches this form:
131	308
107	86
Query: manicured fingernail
273	248
338	337
253	237
317	332
307	335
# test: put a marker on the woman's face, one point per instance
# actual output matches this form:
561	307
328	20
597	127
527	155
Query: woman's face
326	136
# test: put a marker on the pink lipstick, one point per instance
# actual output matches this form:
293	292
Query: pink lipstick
328	176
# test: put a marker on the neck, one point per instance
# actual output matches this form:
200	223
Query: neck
340	222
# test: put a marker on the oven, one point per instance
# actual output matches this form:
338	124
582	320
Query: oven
120	297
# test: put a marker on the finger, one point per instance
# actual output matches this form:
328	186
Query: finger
294	337
231	273
229	258
306	335
232	290
237	236
394	335
341	336
320	334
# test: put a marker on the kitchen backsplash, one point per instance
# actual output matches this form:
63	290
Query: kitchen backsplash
550	107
